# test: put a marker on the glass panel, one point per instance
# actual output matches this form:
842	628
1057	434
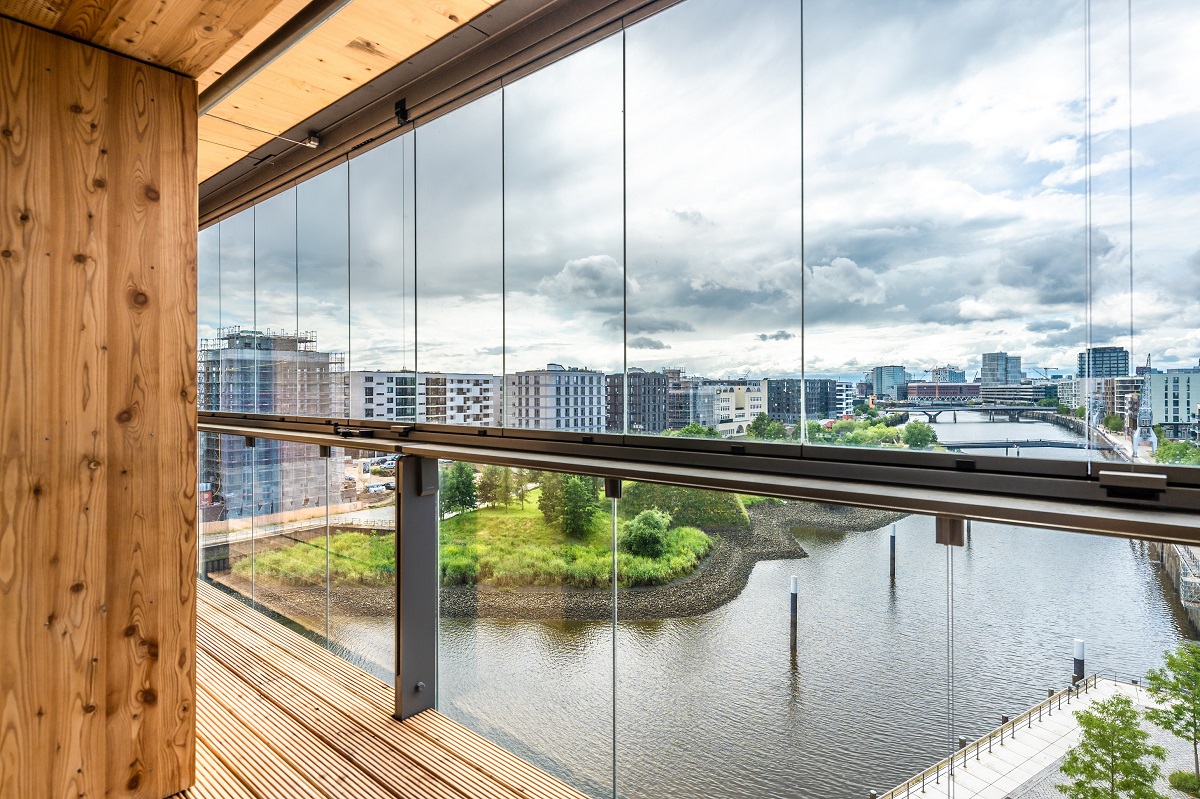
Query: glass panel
945	213
279	353
525	654
714	213
460	308
564	269
383	311
1166	204
362	561
322	244
212	516
1022	598
707	674
208	317
291	533
232	354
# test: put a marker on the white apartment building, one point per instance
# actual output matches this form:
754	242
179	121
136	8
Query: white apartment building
1175	400
556	398
844	398
434	397
1074	392
737	405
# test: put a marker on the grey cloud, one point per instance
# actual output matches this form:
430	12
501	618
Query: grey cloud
780	335
691	217
498	350
647	343
1076	336
1052	268
1047	326
648	323
595	277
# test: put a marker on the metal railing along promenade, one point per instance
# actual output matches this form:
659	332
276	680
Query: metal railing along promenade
945	767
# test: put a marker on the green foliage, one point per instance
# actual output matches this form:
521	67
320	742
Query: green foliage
862	409
1114	758
1048	402
578	505
515	549
895	419
750	500
691	507
457	488
1064	410
844	427
353	558
919	435
765	428
1185	781
550	500
1176	686
1181	452
495	485
646	534
694	430
376	471
1080	412
1114	423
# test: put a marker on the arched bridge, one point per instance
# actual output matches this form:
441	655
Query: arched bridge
1009	413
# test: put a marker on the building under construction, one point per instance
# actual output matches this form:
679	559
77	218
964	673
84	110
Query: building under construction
251	371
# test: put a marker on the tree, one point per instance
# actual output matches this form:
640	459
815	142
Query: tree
1177	687
646	534
767	429
1080	412
1113	759
550	503
862	409
578	506
490	480
694	430
1114	423
457	488
919	435
1183	452
1048	402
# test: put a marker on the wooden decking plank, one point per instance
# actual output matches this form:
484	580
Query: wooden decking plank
303	751
354	738
214	780
348	676
506	766
244	754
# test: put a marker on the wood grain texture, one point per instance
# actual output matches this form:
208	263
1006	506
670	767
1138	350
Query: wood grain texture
97	511
186	36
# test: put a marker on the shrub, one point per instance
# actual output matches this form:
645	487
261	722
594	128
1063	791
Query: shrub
1185	781
689	507
646	534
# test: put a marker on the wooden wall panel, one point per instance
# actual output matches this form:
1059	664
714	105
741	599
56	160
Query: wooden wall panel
97	426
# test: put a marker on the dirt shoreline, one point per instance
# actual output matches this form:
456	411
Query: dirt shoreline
719	579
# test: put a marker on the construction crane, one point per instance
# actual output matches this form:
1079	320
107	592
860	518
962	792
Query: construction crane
1145	417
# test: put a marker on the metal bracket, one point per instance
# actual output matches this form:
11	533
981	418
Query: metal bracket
612	487
950	531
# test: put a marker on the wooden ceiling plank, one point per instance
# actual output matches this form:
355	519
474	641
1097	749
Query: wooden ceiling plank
283	11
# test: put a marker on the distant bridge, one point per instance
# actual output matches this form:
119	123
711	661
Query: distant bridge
960	445
1011	413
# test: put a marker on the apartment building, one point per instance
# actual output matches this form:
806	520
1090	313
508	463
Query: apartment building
562	398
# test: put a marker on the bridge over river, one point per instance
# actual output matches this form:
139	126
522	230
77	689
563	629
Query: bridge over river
1017	445
1007	413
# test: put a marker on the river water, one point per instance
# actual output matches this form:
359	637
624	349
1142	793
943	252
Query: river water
717	706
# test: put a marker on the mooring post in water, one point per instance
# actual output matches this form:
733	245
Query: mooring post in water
893	545
1077	673
795	594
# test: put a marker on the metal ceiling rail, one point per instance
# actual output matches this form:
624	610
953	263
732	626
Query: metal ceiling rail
1108	499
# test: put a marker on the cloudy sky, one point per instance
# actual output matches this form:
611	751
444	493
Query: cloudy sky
942	212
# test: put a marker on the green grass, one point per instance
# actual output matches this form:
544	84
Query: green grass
1185	781
491	547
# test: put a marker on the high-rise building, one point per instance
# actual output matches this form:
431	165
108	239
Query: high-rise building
889	382
647	401
845	398
1001	369
820	399
1175	398
1103	362
556	398
689	400
948	374
248	371
436	397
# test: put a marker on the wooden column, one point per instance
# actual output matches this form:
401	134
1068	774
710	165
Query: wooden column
97	421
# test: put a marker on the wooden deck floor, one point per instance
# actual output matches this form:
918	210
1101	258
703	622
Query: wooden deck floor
279	716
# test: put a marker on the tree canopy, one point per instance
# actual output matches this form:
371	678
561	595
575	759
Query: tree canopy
457	488
919	435
1114	758
1177	687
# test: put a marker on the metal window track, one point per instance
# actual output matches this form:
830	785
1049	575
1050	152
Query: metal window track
1107	499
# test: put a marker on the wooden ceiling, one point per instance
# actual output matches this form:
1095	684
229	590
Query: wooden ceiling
204	38
364	40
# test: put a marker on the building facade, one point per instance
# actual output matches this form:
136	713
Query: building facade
948	374
435	397
1175	400
647	395
738	404
922	393
1020	394
1001	369
889	382
1103	362
556	398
